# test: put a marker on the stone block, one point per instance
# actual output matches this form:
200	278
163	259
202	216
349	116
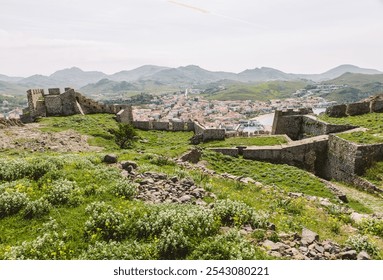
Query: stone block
358	108
54	91
376	106
337	111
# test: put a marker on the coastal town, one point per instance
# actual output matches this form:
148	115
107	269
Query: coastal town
252	117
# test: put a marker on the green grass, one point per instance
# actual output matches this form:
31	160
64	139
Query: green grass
96	126
286	177
247	141
261	91
373	122
75	238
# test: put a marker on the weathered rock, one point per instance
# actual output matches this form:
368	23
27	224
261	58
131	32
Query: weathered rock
128	163
356	217
363	255
337	111
348	255
192	156
110	158
185	198
308	237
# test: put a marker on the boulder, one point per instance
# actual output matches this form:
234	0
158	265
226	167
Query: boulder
308	237
348	255
110	158
192	156
128	163
363	255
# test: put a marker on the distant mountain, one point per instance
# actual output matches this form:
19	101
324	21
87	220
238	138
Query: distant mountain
264	74
76	77
159	78
107	86
359	86
139	73
5	78
338	71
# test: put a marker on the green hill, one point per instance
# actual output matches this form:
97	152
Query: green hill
260	91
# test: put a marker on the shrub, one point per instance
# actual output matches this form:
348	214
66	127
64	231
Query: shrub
37	208
371	226
236	213
362	243
105	222
128	250
48	246
124	135
230	246
64	192
191	220
11	202
173	244
125	189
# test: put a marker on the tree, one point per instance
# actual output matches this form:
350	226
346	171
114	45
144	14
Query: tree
124	135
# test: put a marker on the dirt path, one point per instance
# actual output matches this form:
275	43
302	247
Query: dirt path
30	137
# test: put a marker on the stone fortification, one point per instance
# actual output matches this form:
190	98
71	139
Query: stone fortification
371	105
70	102
326	155
299	124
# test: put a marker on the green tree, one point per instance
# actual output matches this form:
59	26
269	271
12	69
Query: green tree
124	135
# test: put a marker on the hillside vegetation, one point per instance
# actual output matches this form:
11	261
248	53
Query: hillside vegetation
75	206
262	91
373	122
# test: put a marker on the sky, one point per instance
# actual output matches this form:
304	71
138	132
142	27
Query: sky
295	36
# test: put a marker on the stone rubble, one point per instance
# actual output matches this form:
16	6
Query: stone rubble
308	247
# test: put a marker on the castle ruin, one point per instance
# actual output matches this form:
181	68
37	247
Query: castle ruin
70	102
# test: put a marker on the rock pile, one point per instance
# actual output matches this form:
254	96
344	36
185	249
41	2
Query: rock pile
159	188
308	247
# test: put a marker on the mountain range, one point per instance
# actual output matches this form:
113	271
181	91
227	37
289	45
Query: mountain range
151	76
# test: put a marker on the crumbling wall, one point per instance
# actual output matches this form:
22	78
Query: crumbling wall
358	108
160	126
213	134
53	105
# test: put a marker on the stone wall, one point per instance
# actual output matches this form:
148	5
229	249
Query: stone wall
358	108
68	103
370	105
226	151
53	105
300	126
160	126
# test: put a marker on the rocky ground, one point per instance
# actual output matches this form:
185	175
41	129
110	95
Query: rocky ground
159	188
30	137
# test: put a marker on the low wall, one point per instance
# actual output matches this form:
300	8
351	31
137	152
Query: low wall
371	105
302	126
226	151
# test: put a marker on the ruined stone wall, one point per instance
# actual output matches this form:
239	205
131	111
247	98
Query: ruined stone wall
53	105
213	134
302	126
160	126
308	155
143	125
125	115
181	126
198	128
34	96
227	151
371	105
358	108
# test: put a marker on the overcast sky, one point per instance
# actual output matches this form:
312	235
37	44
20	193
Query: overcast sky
296	36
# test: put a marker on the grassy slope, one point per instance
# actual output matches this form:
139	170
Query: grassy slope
95	183
373	122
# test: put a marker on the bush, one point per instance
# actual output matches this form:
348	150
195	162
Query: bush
236	213
173	244
48	246
37	208
128	250
105	222
362	243
193	221
125	189
64	192
124	135
230	246
371	226
11	202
